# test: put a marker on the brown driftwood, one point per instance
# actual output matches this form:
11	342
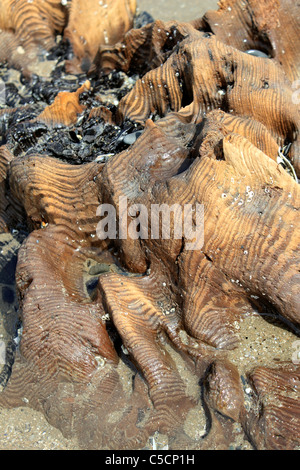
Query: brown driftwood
270	26
10	212
65	108
27	27
201	71
95	23
113	366
204	74
278	426
33	22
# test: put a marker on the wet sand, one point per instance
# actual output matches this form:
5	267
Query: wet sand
183	10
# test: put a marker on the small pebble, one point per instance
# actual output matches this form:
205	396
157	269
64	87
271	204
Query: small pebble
129	139
257	53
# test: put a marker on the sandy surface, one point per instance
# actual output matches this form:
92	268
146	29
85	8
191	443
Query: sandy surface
184	10
26	429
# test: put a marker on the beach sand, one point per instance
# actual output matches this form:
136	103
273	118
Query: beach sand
183	10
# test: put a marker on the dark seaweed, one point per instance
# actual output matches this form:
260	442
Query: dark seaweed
89	137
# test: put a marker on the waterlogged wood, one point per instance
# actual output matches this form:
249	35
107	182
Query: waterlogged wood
34	22
10	211
187	70
143	307
204	74
272	27
63	302
277	395
96	23
121	329
66	107
27	27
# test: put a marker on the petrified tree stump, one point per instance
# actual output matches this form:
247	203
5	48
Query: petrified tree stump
132	333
